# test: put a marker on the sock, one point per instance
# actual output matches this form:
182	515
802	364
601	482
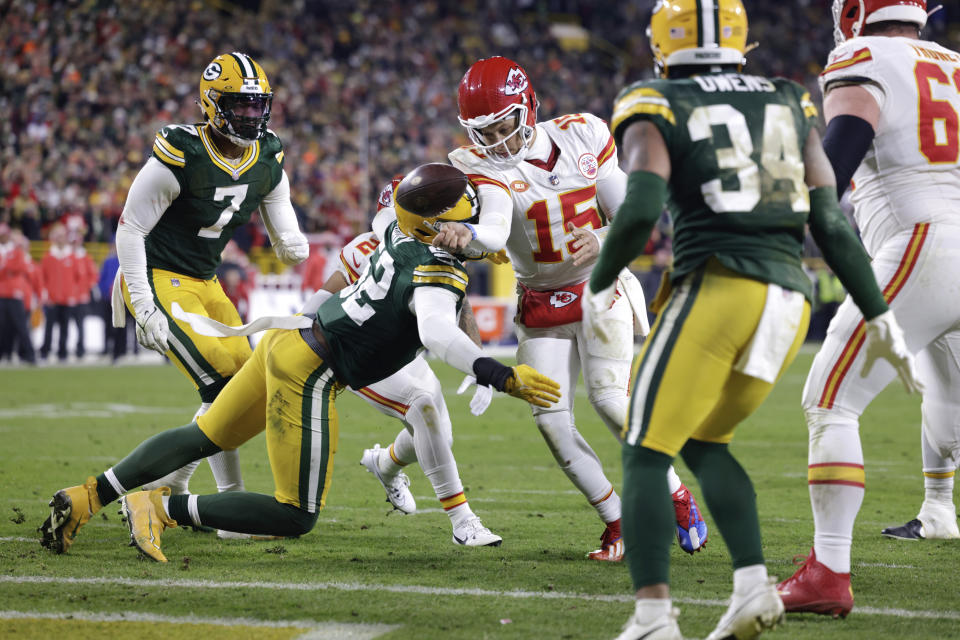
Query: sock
389	465
729	495
651	609
609	507
226	470
746	578
673	480
938	489
158	455
243	512
178	480
836	482
648	519
457	508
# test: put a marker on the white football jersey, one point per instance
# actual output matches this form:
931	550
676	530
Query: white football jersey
549	196
910	174
355	255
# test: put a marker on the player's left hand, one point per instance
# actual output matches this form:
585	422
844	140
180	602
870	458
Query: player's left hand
593	305
292	247
885	340
481	397
585	246
530	385
453	236
500	257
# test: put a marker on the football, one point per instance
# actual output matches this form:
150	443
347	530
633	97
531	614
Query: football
430	189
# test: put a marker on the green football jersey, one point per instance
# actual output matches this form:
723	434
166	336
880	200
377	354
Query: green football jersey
370	329
737	188
216	197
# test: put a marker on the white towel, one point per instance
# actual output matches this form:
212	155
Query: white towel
634	292
775	333
208	327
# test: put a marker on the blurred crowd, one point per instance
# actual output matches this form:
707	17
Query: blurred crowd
364	89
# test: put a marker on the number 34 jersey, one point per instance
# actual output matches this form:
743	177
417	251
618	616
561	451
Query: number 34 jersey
549	196
737	190
910	173
216	196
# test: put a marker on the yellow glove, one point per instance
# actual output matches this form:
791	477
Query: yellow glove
532	386
500	257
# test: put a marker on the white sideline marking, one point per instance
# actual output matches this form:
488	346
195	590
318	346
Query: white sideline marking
325	630
434	591
884	565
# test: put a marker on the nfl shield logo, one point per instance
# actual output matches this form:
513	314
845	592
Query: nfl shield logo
174	282
554	180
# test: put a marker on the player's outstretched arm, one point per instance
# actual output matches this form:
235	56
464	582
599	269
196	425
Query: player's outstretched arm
280	220
435	309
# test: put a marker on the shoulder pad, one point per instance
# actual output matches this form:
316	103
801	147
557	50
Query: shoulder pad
650	99
174	143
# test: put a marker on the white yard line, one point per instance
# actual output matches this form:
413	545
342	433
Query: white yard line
314	629
422	590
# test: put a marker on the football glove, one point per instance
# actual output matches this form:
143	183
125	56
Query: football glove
885	340
152	329
530	385
500	257
482	397
592	306
292	247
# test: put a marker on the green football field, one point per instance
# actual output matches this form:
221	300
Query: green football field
365	572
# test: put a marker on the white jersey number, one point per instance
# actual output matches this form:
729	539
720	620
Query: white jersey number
374	284
236	193
780	156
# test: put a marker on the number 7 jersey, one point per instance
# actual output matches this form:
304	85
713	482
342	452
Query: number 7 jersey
737	190
910	173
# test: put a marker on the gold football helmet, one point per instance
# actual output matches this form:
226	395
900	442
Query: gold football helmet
698	33
235	97
467	209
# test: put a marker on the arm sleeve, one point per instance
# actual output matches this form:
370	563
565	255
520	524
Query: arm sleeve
642	205
843	252
278	214
382	220
496	214
152	192
611	191
846	142
436	311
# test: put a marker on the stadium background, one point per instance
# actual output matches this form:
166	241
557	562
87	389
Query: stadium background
364	90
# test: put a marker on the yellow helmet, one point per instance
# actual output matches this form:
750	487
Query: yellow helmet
697	32
233	82
423	224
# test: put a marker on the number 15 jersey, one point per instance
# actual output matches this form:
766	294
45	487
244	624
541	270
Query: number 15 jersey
737	189
910	173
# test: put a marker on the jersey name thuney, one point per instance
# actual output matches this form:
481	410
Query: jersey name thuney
734	82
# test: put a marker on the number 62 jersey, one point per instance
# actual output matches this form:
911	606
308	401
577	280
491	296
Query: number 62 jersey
910	173
737	190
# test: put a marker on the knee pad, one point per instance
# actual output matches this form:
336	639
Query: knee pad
429	411
819	420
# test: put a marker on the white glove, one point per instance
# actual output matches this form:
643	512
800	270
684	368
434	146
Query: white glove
885	340
292	247
482	397
152	329
593	305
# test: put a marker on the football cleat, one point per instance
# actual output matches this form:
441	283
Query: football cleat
814	588
472	533
663	628
611	544
927	526
913	530
397	488
70	509
234	535
143	512
750	615
691	529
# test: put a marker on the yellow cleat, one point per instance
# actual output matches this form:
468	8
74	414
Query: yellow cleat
70	509
146	519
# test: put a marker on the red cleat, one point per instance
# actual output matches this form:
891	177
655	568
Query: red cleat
611	544
814	588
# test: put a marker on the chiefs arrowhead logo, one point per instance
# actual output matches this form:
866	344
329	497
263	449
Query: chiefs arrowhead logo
560	299
516	82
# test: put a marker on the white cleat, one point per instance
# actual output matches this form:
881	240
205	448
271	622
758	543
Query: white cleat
750	615
663	628
938	523
397	488
472	533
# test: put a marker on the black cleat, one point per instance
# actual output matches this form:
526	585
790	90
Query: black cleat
913	530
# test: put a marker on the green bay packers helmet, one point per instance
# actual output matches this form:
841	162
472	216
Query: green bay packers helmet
697	33
235	97
423	224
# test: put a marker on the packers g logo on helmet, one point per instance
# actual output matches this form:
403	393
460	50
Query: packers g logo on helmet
697	32
235	97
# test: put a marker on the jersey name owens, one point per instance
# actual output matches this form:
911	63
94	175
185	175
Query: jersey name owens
734	82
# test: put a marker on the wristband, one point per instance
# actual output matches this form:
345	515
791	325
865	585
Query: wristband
491	373
472	230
